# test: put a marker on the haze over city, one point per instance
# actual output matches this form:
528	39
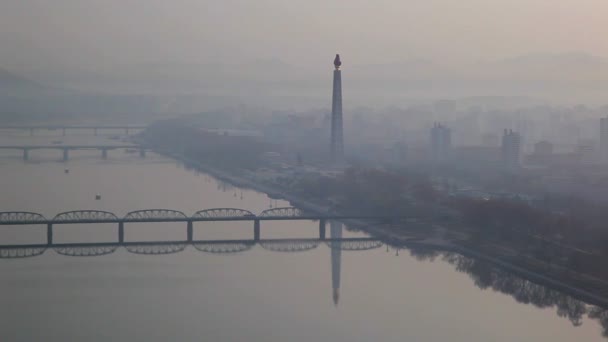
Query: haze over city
552	51
304	170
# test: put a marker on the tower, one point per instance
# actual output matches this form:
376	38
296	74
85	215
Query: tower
337	137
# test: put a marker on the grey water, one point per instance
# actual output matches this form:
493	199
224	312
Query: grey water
260	294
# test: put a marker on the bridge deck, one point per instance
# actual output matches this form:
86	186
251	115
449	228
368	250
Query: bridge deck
202	219
71	127
69	147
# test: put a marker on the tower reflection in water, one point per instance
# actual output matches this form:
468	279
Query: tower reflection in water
485	276
336	259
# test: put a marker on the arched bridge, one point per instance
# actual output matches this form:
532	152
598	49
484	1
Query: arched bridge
26	149
169	215
64	128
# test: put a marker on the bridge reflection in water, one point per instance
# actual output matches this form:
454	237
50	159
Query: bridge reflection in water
170	247
484	274
336	243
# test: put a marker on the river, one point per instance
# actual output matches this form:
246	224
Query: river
264	293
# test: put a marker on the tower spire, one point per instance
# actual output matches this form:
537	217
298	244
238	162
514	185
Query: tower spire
337	137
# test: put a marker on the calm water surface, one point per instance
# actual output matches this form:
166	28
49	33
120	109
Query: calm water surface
257	295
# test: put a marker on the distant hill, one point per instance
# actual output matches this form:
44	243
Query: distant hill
567	58
179	88
12	84
570	66
24	100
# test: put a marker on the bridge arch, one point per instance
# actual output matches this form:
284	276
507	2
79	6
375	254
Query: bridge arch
222	213
155	249
154	214
355	245
224	247
85	215
289	246
85	251
283	212
17	217
21	252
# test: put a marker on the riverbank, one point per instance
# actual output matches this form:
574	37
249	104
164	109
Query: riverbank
582	287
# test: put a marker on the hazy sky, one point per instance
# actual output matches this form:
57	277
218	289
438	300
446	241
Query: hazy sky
91	32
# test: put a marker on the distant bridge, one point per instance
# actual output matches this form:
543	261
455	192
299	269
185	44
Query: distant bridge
167	215
63	128
66	148
171	247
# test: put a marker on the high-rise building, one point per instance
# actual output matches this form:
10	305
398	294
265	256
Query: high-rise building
604	140
441	142
337	137
511	149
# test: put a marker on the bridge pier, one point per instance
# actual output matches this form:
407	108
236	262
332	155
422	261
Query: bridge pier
189	231
142	152
104	153
49	234
26	154
322	229
126	130
256	230
63	131
121	232
31	131
94	131
66	155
